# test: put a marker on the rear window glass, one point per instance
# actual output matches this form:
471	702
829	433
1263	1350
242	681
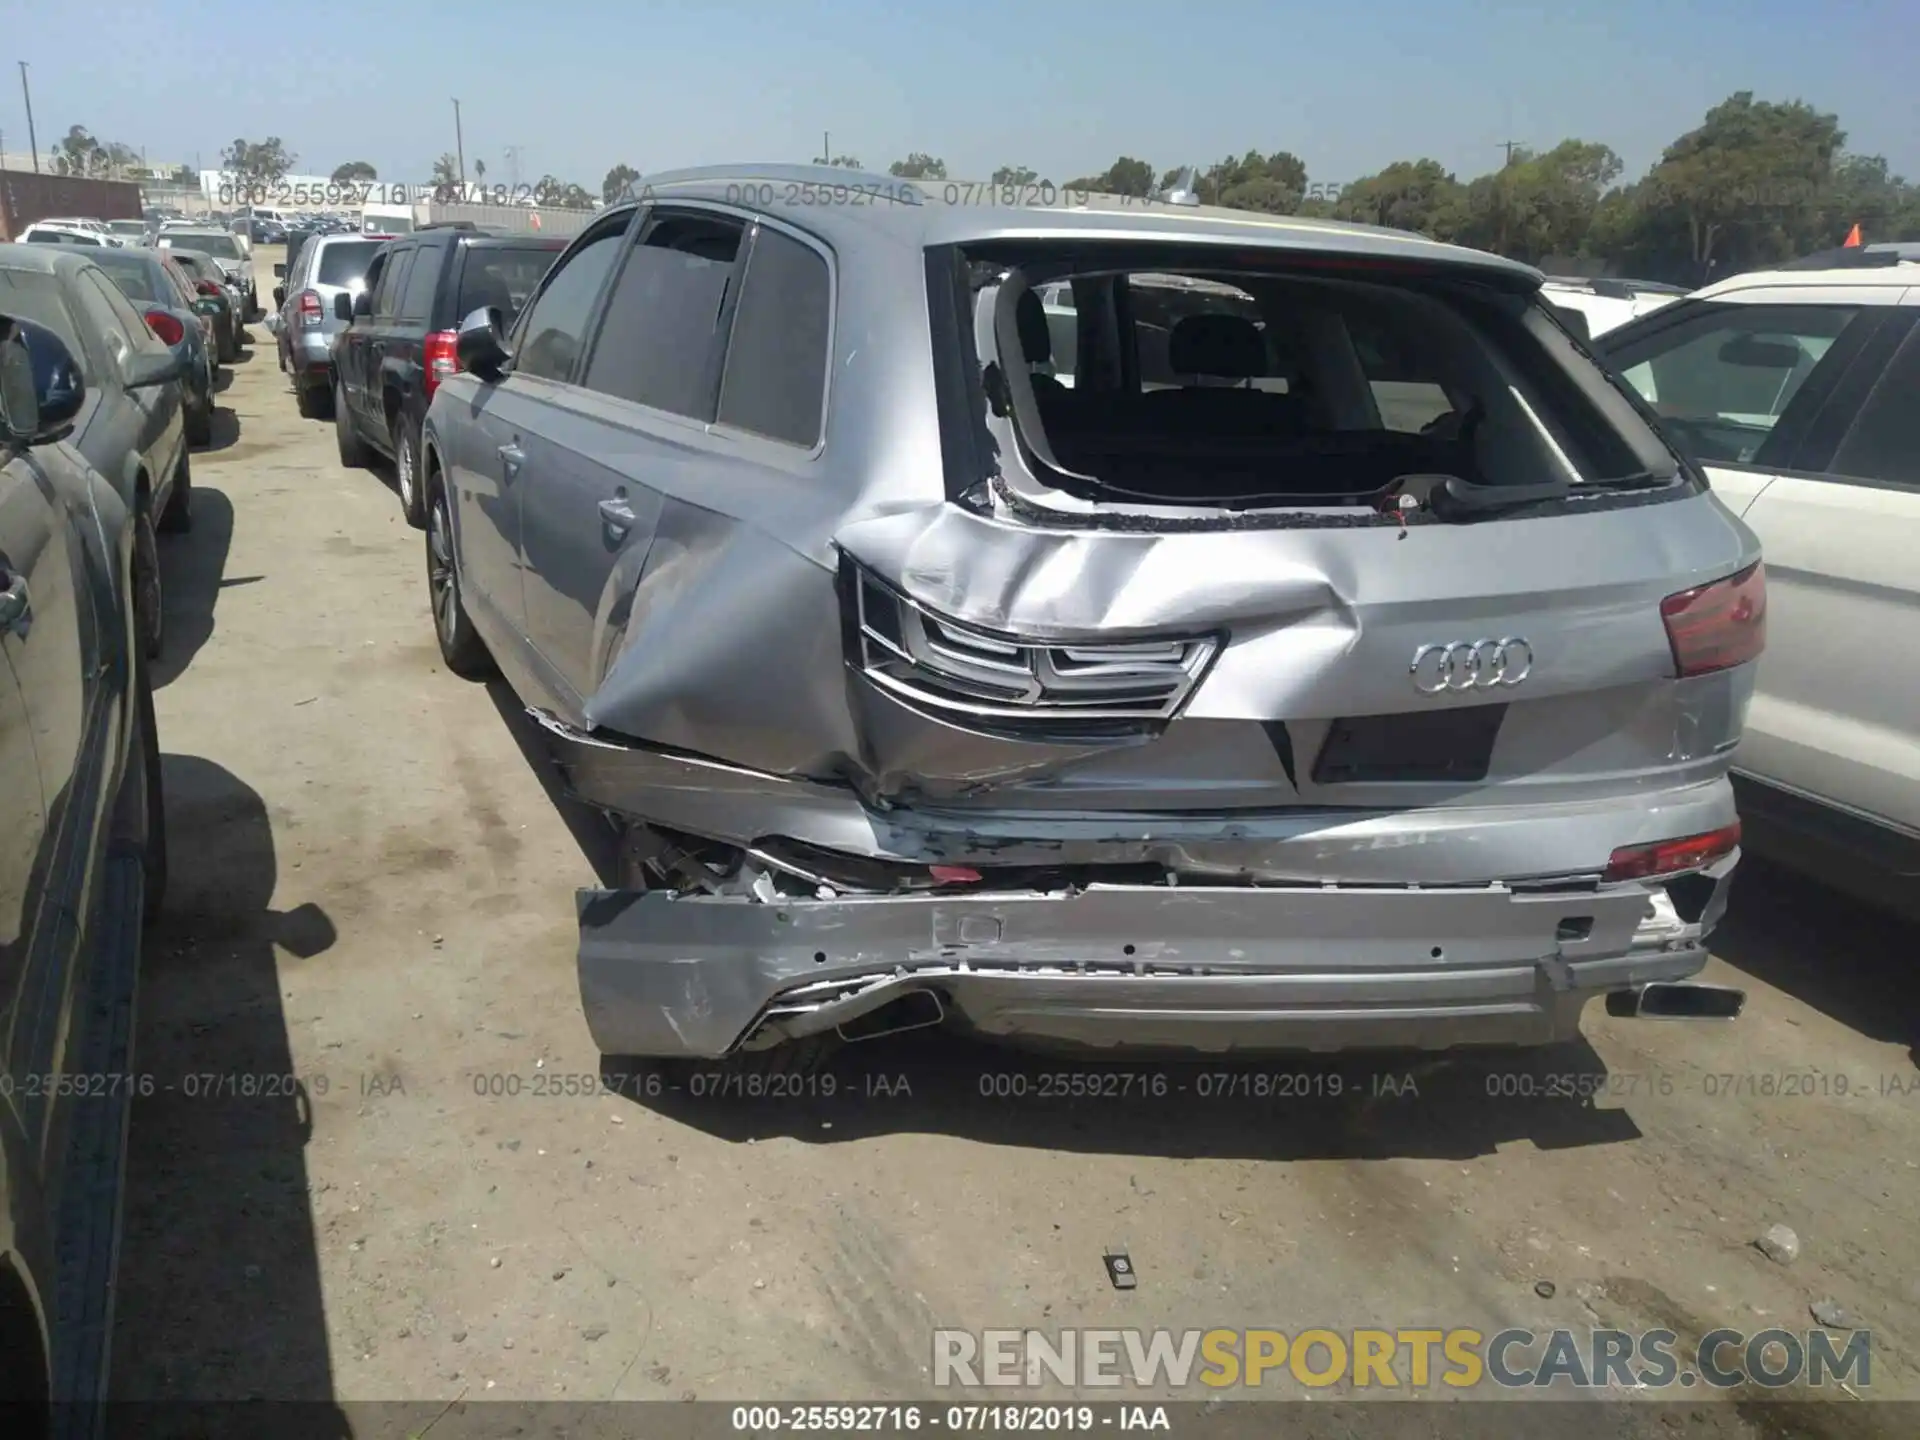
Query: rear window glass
135	276
344	261
26	296
1272	389
221	247
501	275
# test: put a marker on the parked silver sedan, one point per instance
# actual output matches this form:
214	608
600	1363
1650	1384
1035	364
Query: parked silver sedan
131	425
305	324
1341	660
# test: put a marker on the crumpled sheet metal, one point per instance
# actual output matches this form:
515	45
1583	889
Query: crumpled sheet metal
734	644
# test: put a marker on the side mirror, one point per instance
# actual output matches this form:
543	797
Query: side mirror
1752	353
40	385
480	348
144	369
279	291
343	306
362	304
279	272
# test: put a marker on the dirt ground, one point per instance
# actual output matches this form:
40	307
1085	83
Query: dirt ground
348	1188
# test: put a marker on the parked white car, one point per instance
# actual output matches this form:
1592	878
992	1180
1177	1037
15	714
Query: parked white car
1604	305
1799	392
55	232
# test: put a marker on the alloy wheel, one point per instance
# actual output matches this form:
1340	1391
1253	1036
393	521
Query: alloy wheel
443	580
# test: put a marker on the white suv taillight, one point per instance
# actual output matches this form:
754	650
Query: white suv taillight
1717	626
309	308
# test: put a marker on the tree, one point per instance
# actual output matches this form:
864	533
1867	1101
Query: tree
352	172
1539	206
1740	189
479	170
617	181
842	162
561	194
77	153
1015	175
1418	195
183	175
446	170
256	163
1275	184
919	166
1126	176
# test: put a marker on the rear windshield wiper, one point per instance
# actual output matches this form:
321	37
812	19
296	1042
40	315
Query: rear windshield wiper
1465	496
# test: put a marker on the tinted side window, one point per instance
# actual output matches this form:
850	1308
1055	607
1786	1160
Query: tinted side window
393	280
555	328
1884	441
658	345
422	280
1722	379
776	372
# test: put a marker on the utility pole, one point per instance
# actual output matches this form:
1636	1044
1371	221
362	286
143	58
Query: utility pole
33	140
460	148
1500	194
512	152
826	148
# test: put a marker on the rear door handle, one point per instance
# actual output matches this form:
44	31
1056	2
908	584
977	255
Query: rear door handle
512	457
16	606
618	514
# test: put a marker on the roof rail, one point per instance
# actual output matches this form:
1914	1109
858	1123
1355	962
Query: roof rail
887	186
1851	257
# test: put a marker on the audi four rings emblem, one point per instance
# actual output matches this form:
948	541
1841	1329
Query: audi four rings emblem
1471	665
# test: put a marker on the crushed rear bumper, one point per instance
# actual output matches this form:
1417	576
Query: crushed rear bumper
1191	968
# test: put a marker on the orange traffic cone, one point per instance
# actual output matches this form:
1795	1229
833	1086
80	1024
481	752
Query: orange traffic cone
1852	242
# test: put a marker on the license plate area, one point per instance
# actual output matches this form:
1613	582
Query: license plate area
1451	745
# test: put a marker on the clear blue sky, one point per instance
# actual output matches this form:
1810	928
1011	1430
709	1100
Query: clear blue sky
1064	87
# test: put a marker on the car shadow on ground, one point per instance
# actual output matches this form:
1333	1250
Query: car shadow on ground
192	575
1371	1106
1845	957
223	432
219	1289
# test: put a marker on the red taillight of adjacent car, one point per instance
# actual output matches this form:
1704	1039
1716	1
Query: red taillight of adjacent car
308	308
441	359
1717	626
1672	857
207	287
170	331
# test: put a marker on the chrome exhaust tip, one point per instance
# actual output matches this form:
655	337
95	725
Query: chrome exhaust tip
1677	1000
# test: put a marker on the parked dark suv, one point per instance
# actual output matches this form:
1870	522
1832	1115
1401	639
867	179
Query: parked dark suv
399	339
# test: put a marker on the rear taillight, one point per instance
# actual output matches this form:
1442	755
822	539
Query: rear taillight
166	327
309	309
440	358
1717	626
207	287
1672	857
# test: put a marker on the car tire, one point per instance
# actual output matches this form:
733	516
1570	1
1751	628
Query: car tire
200	421
353	450
406	470
140	817
149	603
465	653
228	349
177	518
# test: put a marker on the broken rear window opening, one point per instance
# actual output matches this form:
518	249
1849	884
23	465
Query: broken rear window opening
1295	386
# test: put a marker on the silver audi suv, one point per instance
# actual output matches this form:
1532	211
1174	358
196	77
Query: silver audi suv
1280	635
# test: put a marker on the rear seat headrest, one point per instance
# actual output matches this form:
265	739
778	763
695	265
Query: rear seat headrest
1215	344
1036	341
